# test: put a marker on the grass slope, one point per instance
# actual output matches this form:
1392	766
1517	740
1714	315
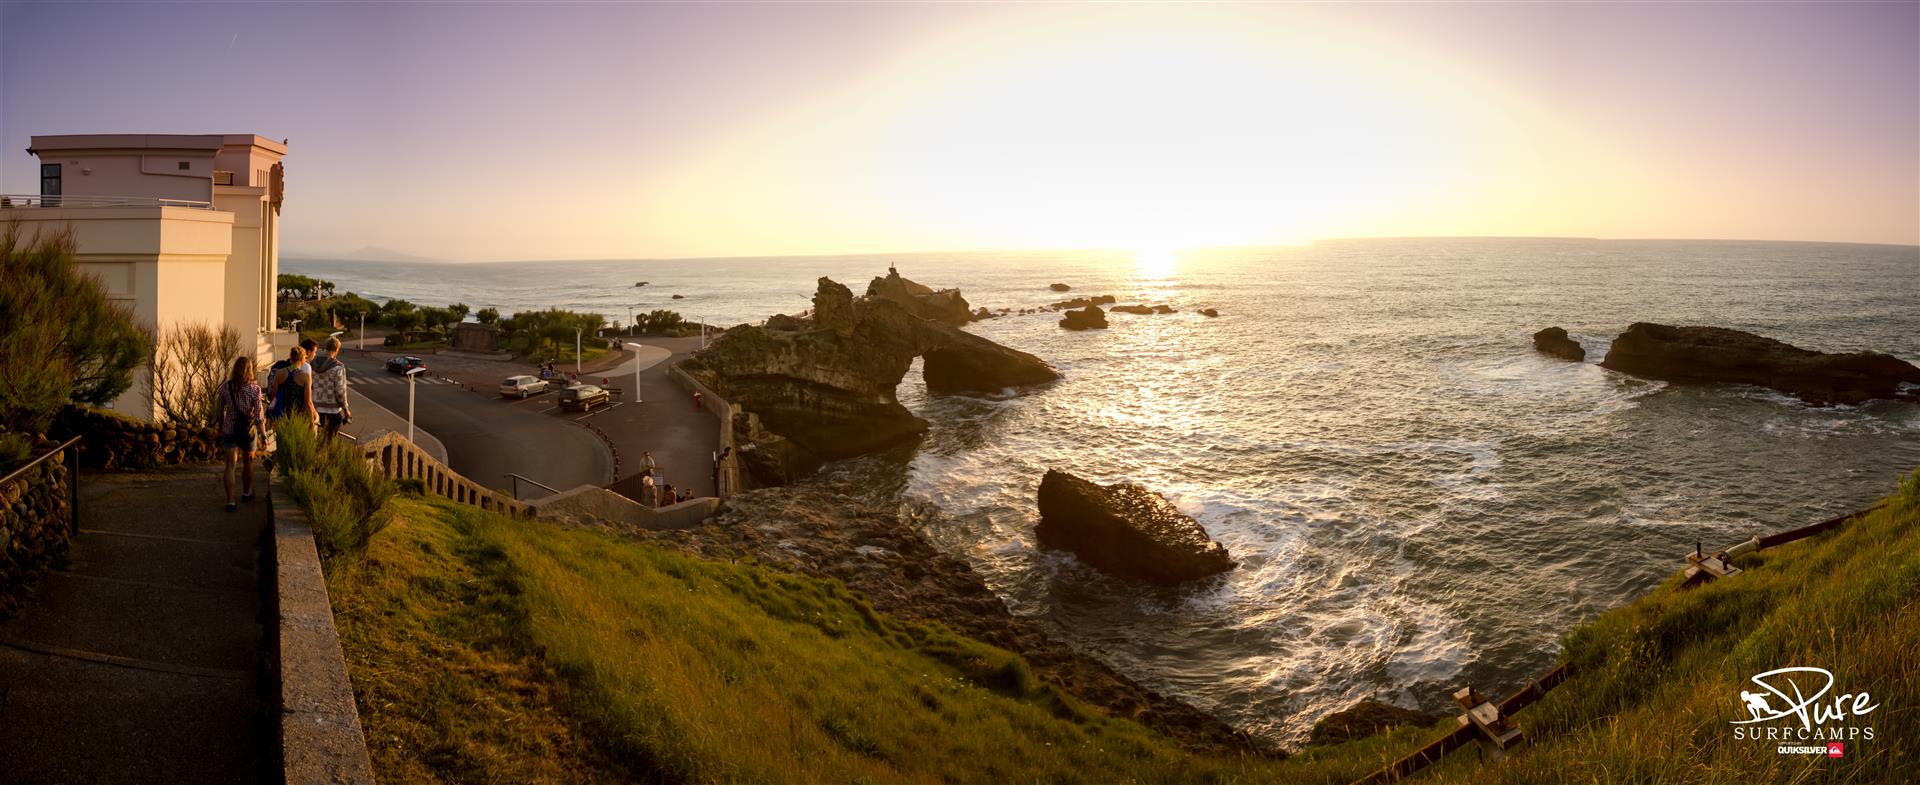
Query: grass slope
485	649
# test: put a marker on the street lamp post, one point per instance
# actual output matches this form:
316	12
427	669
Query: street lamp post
363	332
629	321
411	372
576	351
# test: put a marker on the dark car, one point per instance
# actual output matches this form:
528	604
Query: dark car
404	364
583	397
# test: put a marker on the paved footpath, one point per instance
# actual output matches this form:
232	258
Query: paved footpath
141	661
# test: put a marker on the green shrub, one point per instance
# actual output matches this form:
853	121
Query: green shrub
15	449
343	496
61	339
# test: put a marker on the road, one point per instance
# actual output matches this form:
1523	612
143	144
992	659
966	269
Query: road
487	437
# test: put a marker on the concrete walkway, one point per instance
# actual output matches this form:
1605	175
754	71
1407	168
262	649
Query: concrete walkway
141	662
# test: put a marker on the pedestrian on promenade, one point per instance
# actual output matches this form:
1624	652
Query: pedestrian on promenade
667	495
330	390
697	398
647	466
293	389
240	413
649	493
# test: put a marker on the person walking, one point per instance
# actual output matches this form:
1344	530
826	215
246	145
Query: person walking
330	390
293	389
647	466
649	493
240	413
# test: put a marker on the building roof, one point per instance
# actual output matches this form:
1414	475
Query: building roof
173	142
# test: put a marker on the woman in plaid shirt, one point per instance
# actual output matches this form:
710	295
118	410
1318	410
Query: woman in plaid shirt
240	414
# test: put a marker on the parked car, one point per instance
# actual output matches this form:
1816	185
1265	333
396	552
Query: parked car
583	397
405	363
522	386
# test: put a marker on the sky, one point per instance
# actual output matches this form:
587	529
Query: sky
504	131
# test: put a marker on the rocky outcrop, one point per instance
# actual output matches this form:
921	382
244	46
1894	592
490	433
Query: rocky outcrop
1060	287
1209	312
1126	530
1143	310
1088	318
882	554
945	305
1718	354
1082	302
1554	341
1366	718
821	387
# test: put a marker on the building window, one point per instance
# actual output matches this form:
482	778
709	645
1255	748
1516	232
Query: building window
49	179
184	166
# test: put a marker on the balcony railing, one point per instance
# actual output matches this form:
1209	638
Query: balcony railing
26	200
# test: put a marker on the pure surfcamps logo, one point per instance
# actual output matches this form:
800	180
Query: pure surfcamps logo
1792	707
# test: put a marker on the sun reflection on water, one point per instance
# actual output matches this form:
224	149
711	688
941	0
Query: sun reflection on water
1156	264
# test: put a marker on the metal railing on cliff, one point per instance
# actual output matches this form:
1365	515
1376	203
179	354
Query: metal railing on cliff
1489	724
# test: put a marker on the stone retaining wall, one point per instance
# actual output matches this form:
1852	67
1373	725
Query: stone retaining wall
115	441
318	723
711	401
36	520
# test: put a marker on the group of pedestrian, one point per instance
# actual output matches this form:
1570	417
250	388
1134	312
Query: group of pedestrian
660	493
308	387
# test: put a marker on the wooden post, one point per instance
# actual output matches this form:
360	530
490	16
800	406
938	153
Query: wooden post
1494	734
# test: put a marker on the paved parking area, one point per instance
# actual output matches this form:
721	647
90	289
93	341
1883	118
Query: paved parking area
661	418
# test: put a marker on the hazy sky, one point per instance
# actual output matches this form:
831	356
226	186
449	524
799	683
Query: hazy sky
515	131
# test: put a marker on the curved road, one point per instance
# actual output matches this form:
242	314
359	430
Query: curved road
486	437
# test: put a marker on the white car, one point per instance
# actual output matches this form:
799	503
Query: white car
522	386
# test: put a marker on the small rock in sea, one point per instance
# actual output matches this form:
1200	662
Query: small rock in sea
1139	310
1554	341
679	297
1209	312
1163	309
1126	530
1060	287
1088	318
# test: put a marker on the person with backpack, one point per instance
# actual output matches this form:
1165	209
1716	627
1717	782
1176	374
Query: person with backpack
330	390
292	387
240	413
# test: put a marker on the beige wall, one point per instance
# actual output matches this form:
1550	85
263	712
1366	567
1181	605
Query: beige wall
166	264
157	174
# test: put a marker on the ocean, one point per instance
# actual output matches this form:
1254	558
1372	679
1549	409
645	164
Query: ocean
1418	500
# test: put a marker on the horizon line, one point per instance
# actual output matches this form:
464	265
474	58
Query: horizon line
1381	238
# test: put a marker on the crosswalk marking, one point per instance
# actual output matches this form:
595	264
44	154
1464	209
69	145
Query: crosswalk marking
422	379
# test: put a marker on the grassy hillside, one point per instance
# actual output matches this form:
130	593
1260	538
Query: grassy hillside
1659	681
485	649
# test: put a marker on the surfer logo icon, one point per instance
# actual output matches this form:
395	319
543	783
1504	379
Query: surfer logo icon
1756	704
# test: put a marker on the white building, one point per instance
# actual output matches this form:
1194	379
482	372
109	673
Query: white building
180	227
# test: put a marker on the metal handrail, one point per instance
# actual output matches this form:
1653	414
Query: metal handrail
517	479
69	449
56	200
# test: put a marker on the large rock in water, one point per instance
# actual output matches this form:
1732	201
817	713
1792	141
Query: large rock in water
821	387
1554	341
1126	530
1718	354
1088	318
945	305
